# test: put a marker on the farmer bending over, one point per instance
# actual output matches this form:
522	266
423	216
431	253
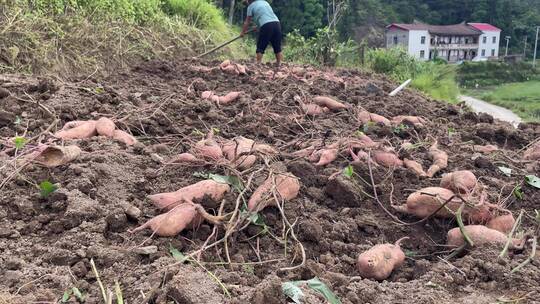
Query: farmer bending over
269	28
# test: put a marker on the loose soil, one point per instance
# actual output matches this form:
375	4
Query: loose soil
46	244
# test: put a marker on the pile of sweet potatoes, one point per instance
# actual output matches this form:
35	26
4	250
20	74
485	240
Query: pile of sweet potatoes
89	128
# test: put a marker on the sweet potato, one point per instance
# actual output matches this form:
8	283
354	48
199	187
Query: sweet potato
487	149
503	223
73	124
362	142
366	117
172	222
329	103
209	95
440	160
424	202
287	187
313	109
413	120
185	158
462	182
306	152
230	97
387	159
325	156
192	193
480	235
379	261
55	156
235	148
265	149
532	153
360	156
105	127
414	167
208	148
81	130
124	137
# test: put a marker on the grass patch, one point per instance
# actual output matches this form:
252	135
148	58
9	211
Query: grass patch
523	98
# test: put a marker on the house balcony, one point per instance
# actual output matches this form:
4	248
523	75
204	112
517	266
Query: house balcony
454	46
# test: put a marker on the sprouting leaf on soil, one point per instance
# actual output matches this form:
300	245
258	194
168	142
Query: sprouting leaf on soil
19	142
78	294
359	133
518	193
118	291
216	130
197	133
292	290
409	253
399	129
368	125
18	120
533	180
506	171
99	90
177	254
66	295
233	181
47	188
348	171
248	269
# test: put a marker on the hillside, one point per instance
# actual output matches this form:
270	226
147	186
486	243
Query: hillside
48	240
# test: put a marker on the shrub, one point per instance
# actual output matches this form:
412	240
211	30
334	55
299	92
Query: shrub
198	13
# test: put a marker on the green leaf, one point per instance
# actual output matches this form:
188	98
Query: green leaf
67	295
19	142
348	171
506	171
292	291
518	193
409	253
319	286
77	293
18	120
47	188
177	254
533	181
100	90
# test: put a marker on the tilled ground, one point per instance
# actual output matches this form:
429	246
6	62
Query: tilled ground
46	244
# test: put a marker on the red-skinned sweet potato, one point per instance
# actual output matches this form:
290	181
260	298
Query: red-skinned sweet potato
78	130
186	158
287	187
105	127
414	120
533	152
230	97
313	109
192	193
463	182
172	222
387	159
480	235
415	167
324	156
487	149
379	261
124	137
208	148
502	223
366	117
329	103
440	160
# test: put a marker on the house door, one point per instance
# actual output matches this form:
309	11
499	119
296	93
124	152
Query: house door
448	55
465	55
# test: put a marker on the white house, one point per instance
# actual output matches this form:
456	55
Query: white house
464	41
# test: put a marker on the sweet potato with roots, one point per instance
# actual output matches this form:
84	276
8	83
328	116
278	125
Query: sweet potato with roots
487	149
480	235
379	261
77	130
124	137
105	127
362	142
413	120
208	148
185	158
502	223
329	103
365	117
415	167
440	160
387	159
426	201
463	182
324	156
192	193
287	188
172	222
313	109
239	152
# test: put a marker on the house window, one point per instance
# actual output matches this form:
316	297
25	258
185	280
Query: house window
423	40
494	39
395	40
466	40
483	53
422	54
484	39
493	53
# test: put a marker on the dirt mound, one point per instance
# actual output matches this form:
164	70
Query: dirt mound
47	243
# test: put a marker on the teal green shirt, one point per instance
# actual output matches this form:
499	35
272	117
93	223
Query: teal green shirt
261	12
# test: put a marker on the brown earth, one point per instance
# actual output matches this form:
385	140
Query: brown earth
46	244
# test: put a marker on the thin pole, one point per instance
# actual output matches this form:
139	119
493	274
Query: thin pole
536	46
525	48
507	42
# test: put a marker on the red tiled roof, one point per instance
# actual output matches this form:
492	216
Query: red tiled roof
454	29
486	27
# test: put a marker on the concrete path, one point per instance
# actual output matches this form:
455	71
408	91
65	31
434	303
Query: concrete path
497	112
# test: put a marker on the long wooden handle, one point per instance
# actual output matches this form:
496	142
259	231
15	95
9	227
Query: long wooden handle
223	45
